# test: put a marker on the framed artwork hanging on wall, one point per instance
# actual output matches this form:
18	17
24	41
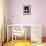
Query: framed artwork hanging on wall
27	9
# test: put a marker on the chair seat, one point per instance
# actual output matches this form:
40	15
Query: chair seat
18	33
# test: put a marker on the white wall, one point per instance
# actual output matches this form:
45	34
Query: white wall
38	12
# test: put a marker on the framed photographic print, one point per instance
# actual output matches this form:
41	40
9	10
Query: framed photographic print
27	9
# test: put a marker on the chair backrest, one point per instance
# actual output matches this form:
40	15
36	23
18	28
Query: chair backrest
18	30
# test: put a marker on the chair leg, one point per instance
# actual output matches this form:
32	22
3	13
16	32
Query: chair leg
15	38
25	36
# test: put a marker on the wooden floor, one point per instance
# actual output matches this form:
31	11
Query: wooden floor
18	43
23	43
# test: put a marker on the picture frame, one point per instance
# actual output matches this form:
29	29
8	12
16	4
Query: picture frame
27	10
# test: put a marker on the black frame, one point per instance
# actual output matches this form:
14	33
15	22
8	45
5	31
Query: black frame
29	13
